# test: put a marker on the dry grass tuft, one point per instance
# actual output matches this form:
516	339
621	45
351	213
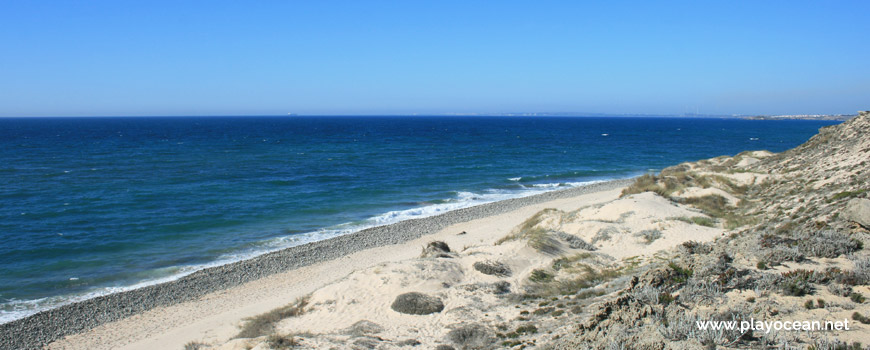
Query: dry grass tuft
264	324
539	238
548	285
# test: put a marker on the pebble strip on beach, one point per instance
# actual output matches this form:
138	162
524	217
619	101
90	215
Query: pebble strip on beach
37	330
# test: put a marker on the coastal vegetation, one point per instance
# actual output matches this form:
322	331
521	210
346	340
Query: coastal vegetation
697	220
264	324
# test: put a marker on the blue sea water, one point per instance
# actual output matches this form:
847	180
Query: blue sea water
90	206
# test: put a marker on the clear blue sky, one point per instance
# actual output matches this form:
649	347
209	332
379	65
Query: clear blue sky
372	57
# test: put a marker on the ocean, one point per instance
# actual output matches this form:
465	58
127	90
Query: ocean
90	206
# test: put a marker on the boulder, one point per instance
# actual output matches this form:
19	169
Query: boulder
858	210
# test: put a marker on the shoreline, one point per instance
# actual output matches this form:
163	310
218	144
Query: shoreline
44	327
304	237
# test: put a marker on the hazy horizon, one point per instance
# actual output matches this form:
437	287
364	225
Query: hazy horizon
217	58
506	115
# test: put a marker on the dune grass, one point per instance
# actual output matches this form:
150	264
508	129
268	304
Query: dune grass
539	238
264	324
696	220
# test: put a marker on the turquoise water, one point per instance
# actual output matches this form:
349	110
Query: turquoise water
94	205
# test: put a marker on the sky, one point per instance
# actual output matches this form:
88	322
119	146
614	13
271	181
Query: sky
135	58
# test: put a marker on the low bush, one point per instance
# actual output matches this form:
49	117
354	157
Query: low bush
778	255
861	318
680	274
472	336
414	303
364	328
826	343
826	244
861	274
840	289
692	247
436	249
796	285
646	294
649	236
683	326
281	342
527	329
501	287
700	291
492	268
543	311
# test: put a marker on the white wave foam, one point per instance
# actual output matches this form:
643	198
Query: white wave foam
16	309
547	185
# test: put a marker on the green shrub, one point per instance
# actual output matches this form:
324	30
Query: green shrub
666	298
796	287
681	274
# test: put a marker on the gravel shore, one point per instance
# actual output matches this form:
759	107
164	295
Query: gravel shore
44	327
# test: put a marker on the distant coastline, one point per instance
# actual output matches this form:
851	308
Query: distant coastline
840	117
